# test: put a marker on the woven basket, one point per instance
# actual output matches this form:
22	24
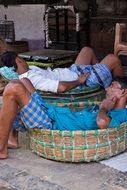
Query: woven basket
75	95
79	146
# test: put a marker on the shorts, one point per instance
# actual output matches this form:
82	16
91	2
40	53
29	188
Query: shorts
33	115
100	74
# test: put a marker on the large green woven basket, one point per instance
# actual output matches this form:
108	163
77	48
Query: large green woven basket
75	95
79	146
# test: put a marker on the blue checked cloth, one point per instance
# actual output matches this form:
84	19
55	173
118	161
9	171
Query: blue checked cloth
8	73
33	115
98	70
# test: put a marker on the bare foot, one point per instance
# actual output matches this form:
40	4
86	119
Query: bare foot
13	145
3	156
13	139
4	153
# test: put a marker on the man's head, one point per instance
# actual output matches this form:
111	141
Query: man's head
11	59
120	82
117	88
8	59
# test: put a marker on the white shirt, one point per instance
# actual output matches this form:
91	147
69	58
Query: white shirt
48	80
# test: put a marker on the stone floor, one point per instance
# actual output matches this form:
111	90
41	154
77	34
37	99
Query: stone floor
24	170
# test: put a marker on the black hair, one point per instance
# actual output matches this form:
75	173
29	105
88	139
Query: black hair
8	59
122	80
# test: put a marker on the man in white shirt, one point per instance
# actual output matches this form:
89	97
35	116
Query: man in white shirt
86	68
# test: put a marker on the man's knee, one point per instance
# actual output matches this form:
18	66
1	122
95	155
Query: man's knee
13	88
113	58
87	49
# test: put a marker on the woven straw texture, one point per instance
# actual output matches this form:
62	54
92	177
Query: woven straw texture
75	95
79	146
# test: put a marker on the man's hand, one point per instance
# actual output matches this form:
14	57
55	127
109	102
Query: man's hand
108	104
83	78
115	92
64	85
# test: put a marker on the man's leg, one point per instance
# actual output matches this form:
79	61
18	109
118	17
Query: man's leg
114	65
27	83
15	96
86	57
13	139
13	136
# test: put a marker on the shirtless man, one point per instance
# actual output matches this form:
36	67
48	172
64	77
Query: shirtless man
20	96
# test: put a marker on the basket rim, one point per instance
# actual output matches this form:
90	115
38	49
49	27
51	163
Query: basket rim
88	132
84	90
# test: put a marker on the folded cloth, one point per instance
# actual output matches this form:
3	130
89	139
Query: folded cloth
8	73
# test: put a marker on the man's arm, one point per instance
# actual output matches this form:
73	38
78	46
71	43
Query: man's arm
102	119
49	85
63	86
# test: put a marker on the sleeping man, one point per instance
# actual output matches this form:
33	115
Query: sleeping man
23	108
62	79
